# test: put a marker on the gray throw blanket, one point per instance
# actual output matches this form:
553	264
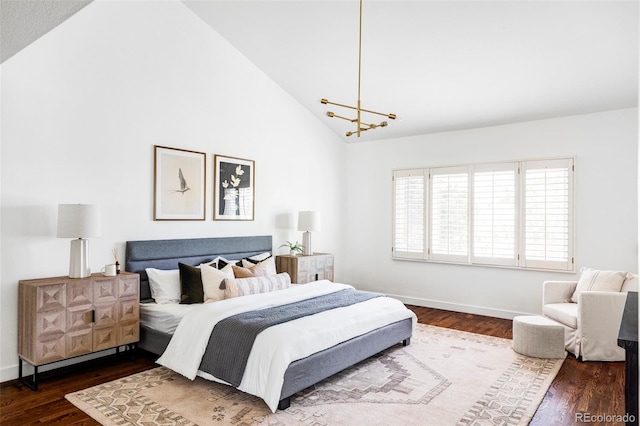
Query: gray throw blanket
232	338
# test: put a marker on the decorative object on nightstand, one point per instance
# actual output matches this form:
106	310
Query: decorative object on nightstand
79	221
115	257
304	269
61	317
294	248
308	222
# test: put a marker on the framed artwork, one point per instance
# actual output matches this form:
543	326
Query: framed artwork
233	188
179	184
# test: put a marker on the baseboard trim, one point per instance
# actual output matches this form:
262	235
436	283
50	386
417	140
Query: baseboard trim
459	307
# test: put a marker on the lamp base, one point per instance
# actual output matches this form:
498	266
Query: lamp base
79	259
306	242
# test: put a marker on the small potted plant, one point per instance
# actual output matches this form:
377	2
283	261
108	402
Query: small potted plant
294	248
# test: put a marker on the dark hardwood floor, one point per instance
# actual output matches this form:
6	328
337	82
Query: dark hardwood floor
579	387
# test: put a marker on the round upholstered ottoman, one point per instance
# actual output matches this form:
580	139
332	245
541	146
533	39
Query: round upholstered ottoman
538	337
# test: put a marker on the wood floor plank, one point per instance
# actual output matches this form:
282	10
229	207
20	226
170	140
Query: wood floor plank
579	387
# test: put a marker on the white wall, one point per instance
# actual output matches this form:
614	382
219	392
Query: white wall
82	108
605	146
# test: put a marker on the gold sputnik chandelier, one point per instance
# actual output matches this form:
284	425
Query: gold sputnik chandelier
361	126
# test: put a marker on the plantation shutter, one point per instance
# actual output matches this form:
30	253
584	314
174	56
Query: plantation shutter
495	214
409	214
449	230
548	214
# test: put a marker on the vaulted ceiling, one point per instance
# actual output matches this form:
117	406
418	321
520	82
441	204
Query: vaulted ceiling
438	65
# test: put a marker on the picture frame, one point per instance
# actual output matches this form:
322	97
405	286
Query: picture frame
179	184
234	189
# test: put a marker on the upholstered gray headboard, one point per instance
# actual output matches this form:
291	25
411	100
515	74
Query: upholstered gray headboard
166	254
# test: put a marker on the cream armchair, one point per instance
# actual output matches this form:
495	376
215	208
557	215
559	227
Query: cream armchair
591	325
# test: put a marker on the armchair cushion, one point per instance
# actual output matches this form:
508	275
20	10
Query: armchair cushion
564	313
594	280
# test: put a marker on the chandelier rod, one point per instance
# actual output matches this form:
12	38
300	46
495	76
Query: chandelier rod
359	110
325	101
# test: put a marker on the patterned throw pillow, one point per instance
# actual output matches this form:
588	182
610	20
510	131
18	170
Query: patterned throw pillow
235	287
211	280
269	264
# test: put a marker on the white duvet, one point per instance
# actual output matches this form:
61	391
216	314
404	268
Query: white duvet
275	348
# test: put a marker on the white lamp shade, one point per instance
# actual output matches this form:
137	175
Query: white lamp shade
309	221
79	221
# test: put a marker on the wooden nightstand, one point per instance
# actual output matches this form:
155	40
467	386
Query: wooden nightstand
303	269
62	317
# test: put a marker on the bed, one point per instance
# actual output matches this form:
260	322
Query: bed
299	374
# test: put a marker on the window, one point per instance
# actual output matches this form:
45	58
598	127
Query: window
408	213
548	210
516	214
494	214
449	216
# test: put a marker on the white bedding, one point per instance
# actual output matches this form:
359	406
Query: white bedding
163	317
274	349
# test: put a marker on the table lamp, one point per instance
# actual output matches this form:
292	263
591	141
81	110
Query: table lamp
308	222
79	221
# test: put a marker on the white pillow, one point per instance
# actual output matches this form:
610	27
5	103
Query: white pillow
235	287
164	285
260	257
268	264
211	279
594	280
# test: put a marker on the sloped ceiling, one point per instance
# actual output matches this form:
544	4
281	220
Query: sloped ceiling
24	21
438	65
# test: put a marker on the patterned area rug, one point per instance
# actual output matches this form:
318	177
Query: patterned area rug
444	377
